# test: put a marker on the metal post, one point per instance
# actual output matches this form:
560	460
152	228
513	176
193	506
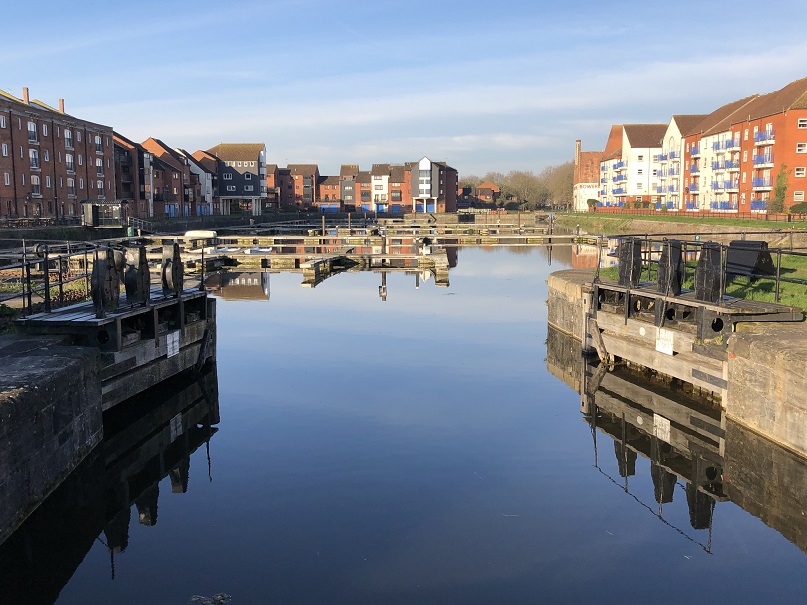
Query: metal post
61	282
202	278
86	274
28	281
778	271
46	271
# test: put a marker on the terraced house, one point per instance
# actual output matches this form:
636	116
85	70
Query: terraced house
51	161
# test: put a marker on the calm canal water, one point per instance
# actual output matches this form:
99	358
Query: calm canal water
414	450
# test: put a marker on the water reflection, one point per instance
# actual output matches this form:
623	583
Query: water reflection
690	444
146	439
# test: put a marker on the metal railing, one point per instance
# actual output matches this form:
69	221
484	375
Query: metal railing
690	250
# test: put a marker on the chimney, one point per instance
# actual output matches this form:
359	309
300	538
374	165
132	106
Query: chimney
577	145
25	95
61	105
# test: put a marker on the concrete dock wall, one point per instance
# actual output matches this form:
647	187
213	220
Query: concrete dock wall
50	419
765	382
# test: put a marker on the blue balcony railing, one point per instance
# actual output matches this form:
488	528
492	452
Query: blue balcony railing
619	165
693	188
619	191
694	169
732	144
603	180
766	158
691	205
673	188
603	168
717	146
761	182
715	165
759	205
602	192
661	174
764	135
674	171
663	157
674	155
660	189
733	165
716	185
731	184
695	150
723	205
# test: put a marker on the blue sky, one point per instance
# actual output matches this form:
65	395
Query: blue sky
482	85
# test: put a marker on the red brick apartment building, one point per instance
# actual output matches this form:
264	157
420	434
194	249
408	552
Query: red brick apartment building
51	161
727	161
586	176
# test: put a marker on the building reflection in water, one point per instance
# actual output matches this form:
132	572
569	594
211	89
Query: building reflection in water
146	439
689	443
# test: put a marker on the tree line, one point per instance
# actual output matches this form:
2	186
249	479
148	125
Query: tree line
523	189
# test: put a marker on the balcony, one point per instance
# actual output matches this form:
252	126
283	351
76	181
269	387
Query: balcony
691	205
723	206
759	205
693	188
694	169
717	166
603	180
672	189
695	151
662	174
674	171
766	159
660	189
732	145
765	137
663	157
602	192
717	146
603	168
619	191
733	166
674	155
717	185
618	165
731	185
764	182
619	178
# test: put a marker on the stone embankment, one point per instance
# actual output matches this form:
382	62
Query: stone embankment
764	364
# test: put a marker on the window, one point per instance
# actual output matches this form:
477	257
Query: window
638	186
745	135
47	181
44	130
227	176
46	155
641	158
348	187
248	176
655	172
68	160
639	171
799	171
798	196
379	187
247	187
7	178
801	124
230	187
3	122
99	185
745	154
5	150
81	184
36	187
348	198
68	138
99	166
33	136
80	160
376	178
801	147
98	147
78	136
33	156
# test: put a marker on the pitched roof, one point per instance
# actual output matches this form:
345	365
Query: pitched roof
614	142
688	122
348	170
122	140
645	135
397	174
207	160
380	170
237	152
720	119
271	168
193	160
363	177
304	169
489	185
329	180
792	96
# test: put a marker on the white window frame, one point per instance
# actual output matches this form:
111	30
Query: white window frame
801	147
5	150
248	176
2	121
800	172
798	196
227	176
8	178
230	188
